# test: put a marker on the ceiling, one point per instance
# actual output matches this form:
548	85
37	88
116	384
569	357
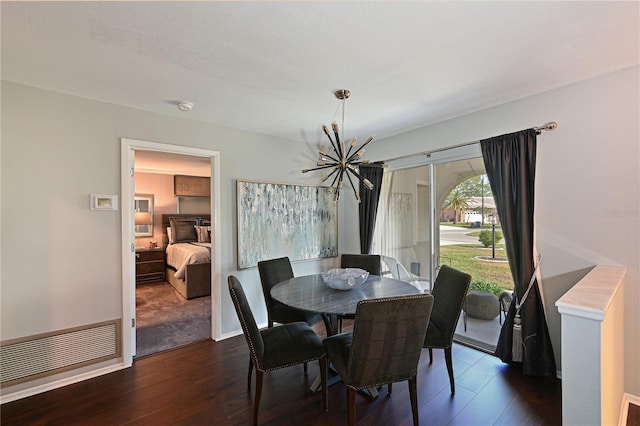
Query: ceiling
272	67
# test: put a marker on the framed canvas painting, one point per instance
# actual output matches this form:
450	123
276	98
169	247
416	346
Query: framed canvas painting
276	220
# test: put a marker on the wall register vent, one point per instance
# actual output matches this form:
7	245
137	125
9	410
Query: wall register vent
46	354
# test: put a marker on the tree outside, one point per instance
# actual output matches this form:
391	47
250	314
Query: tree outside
458	201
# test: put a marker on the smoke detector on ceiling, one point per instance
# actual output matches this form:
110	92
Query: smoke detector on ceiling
184	106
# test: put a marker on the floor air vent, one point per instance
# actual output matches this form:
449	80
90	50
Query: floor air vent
42	355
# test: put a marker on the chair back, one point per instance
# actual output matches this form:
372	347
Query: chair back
388	334
449	290
368	262
398	271
247	320
271	273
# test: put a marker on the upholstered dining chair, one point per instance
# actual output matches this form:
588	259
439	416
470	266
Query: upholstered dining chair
272	272
384	347
449	291
368	262
277	347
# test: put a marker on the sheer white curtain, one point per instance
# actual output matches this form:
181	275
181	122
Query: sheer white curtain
394	221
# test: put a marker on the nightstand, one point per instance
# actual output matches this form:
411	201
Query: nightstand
149	265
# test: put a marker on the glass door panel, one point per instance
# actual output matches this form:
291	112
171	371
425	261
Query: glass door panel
403	228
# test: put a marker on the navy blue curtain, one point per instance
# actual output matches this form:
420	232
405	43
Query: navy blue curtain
510	162
369	203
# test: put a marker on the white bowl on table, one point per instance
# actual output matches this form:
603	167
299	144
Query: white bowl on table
344	278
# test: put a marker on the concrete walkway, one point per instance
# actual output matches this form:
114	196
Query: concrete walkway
451	235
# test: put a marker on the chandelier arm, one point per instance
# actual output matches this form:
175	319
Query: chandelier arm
360	178
326	132
324	154
353	142
367	142
330	174
319	168
340	183
353	187
335	178
336	133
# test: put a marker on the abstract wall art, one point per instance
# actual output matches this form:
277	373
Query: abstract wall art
276	220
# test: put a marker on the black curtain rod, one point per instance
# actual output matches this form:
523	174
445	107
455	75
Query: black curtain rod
551	125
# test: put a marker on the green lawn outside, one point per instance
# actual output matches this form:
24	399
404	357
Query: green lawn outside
462	257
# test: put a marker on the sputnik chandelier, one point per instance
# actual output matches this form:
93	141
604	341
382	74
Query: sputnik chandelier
342	162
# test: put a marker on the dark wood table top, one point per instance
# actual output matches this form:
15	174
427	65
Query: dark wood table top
310	293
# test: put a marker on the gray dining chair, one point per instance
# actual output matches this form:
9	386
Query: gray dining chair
276	347
384	347
449	291
368	262
272	272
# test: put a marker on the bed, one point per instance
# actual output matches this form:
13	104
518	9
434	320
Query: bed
188	253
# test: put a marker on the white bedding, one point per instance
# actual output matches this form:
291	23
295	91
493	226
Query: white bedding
182	254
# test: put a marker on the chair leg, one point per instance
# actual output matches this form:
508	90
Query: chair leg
389	389
305	367
256	402
464	320
449	361
351	406
413	395
430	356
323	381
250	371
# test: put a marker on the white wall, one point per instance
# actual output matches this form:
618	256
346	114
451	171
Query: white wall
164	202
587	185
61	262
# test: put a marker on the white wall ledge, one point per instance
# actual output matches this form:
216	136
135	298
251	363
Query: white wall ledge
590	297
592	348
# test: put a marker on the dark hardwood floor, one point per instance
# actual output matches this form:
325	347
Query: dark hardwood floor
206	384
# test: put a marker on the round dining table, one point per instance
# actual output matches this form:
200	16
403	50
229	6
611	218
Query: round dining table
310	293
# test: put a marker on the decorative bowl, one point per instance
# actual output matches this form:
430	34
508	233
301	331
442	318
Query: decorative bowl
345	278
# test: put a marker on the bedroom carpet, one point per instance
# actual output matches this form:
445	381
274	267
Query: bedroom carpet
166	320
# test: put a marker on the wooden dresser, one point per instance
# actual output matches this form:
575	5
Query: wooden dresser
150	265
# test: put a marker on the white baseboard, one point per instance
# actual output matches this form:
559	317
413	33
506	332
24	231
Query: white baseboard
24	393
238	332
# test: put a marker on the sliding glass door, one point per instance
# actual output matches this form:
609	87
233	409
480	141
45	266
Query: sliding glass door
433	211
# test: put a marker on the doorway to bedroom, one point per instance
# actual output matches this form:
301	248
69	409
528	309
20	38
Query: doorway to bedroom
169	313
159	296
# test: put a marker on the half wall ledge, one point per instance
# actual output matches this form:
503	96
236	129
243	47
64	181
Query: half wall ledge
592	347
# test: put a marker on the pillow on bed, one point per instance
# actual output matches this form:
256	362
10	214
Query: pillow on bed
204	234
169	235
183	231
